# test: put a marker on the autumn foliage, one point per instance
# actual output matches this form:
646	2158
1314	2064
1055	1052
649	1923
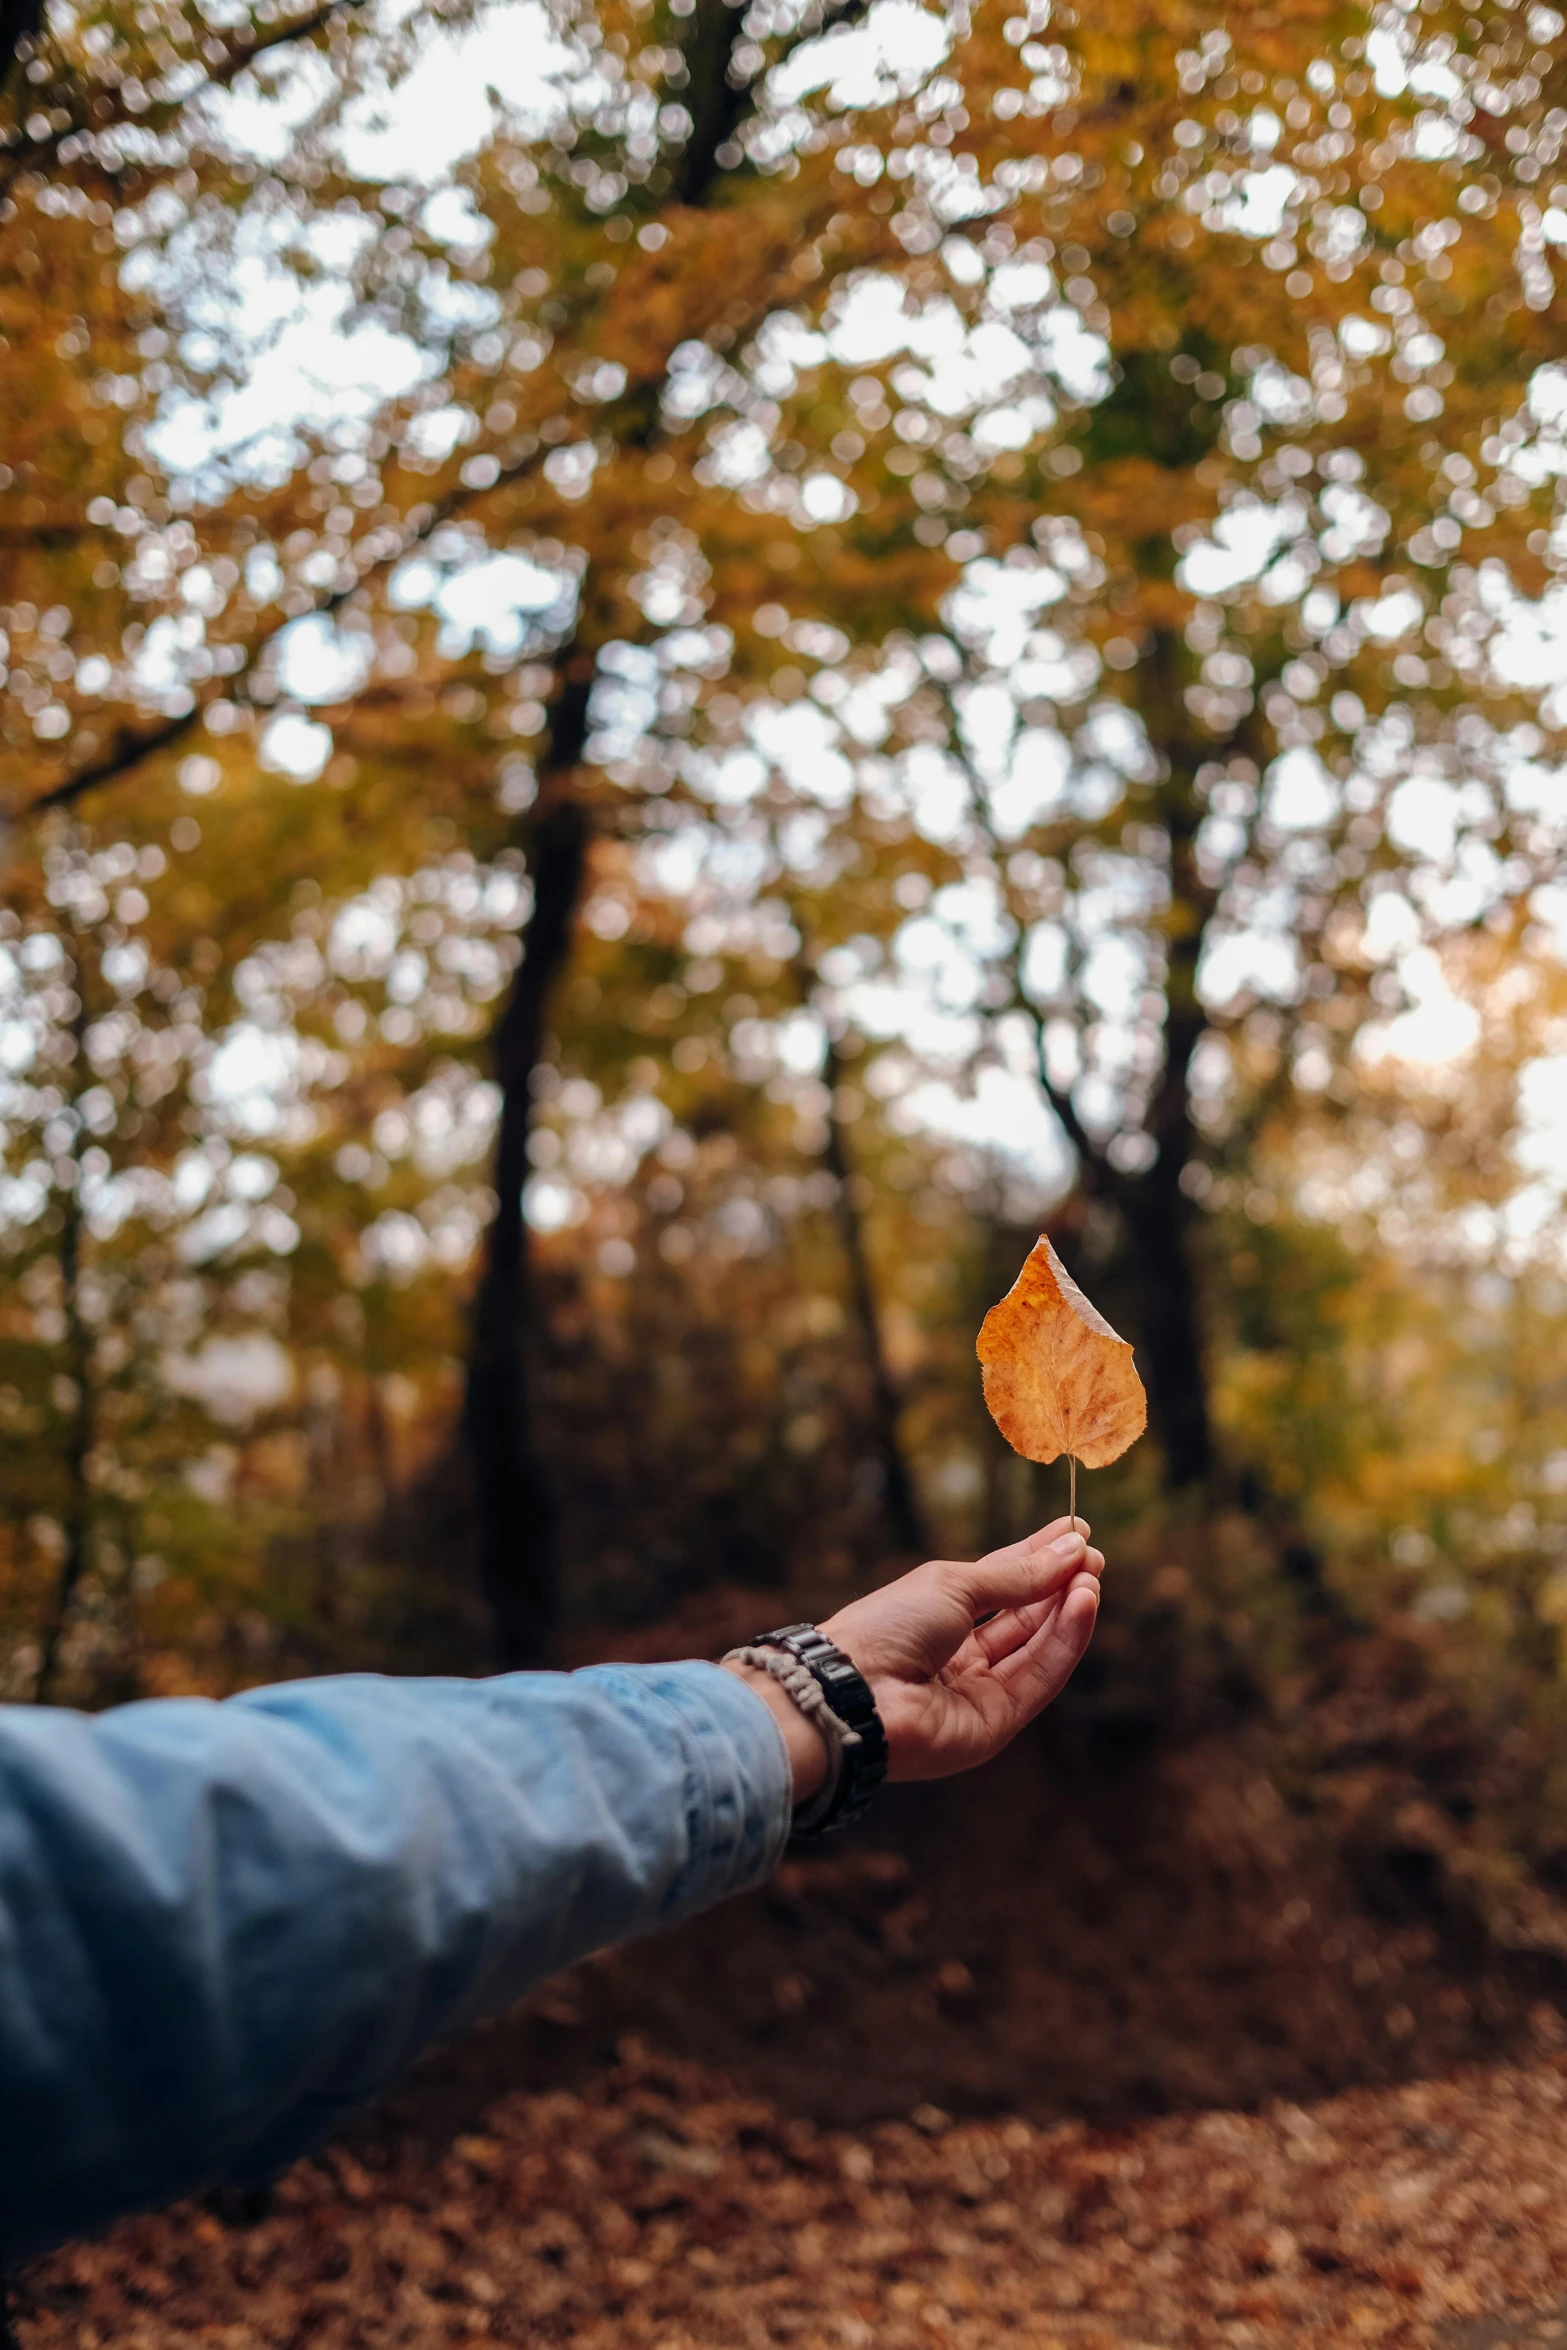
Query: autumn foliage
630	746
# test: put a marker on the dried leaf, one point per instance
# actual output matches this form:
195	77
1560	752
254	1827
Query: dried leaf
1057	1377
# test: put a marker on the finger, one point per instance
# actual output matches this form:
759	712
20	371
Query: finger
1014	1627
1051	1533
1002	1636
992	1643
1021	1574
1034	1674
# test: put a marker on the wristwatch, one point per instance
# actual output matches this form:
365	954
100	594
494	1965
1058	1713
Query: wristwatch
848	1693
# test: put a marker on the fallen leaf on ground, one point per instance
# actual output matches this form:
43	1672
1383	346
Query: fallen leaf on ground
1188	2232
1058	1379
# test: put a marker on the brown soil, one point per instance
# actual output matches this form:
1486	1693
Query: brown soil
1179	1941
1113	1920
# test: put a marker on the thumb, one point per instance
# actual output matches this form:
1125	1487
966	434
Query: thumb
1033	1569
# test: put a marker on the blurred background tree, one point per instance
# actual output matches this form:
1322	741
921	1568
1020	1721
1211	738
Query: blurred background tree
674	668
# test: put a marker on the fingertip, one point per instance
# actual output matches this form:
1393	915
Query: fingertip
1079	1614
1057	1530
1077	1525
1040	1569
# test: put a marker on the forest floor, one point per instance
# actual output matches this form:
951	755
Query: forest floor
657	2204
1127	2044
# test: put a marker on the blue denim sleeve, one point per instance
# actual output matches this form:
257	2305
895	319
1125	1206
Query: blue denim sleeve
224	1926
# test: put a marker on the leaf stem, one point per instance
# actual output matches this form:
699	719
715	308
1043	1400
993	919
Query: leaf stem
1071	1469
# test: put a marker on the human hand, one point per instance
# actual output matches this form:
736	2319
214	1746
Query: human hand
960	1657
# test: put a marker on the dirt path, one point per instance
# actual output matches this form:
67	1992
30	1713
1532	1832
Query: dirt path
654	2206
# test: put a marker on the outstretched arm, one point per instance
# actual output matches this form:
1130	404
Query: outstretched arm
222	1927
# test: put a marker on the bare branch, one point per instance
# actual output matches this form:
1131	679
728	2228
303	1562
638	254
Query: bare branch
718	102
1097	1172
19	22
107	111
50	534
129	756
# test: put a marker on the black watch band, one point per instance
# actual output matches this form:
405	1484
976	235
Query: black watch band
848	1693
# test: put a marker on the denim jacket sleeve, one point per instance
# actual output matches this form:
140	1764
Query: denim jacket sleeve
223	1926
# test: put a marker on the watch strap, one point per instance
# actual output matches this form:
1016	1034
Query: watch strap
848	1694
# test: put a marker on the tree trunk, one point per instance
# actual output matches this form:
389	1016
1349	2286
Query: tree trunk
1157	1219
900	1499
1156	1216
515	1507
78	1344
20	20
514	1504
1159	1215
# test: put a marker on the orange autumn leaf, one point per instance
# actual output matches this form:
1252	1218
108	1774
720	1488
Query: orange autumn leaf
1058	1379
